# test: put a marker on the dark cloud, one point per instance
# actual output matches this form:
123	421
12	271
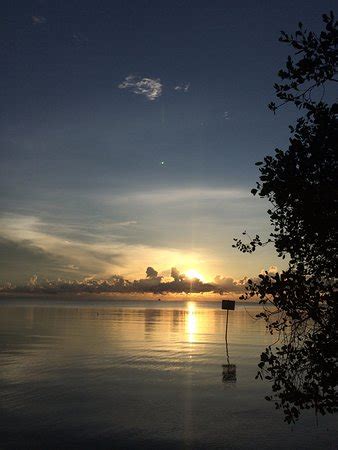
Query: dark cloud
228	284
117	284
151	272
175	274
19	260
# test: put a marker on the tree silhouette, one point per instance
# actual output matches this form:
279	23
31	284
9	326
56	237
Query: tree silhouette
300	304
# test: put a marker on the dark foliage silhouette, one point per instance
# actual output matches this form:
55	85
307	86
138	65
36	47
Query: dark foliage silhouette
301	186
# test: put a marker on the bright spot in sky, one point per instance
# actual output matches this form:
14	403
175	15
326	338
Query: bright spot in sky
192	274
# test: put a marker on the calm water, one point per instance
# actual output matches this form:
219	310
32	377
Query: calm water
120	375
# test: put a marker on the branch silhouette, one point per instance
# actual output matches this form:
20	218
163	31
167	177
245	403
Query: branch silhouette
300	303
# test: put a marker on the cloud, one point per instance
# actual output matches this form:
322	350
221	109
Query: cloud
38	20
72	267
180	195
230	285
177	283
184	87
151	272
271	270
115	284
80	38
150	88
100	255
175	274
126	223
19	258
59	248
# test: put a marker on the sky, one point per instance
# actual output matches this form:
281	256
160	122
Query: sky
129	132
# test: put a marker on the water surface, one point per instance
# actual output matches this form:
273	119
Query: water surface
119	375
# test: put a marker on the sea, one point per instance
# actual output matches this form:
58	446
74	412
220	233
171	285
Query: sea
111	374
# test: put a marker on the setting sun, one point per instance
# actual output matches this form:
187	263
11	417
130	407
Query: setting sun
192	274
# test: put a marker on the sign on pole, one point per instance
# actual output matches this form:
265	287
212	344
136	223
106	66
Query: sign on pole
228	305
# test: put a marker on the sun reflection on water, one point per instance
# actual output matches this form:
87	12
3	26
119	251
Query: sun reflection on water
191	321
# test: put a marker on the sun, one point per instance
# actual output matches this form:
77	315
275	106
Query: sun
192	274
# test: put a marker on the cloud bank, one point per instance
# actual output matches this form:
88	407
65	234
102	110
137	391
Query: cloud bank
152	284
151	88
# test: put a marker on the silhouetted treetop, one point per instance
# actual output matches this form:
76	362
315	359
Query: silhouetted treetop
300	303
314	63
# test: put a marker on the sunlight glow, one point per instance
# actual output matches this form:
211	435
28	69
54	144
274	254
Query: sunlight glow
192	274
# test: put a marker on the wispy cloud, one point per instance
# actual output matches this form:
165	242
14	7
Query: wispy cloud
38	20
80	38
126	223
42	246
151	88
184	87
180	195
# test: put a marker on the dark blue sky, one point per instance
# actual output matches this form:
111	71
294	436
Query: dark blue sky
97	179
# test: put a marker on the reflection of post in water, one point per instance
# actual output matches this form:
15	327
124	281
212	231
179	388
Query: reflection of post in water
229	370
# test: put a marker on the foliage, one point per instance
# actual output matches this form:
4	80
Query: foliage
300	183
317	64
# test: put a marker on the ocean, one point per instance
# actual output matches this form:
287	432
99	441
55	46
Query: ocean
109	374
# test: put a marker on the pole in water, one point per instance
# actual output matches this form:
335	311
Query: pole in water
229	370
227	305
226	338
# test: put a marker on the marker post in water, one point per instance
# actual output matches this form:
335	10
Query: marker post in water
228	305
229	370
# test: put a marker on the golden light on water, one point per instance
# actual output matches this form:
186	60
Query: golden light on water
191	321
